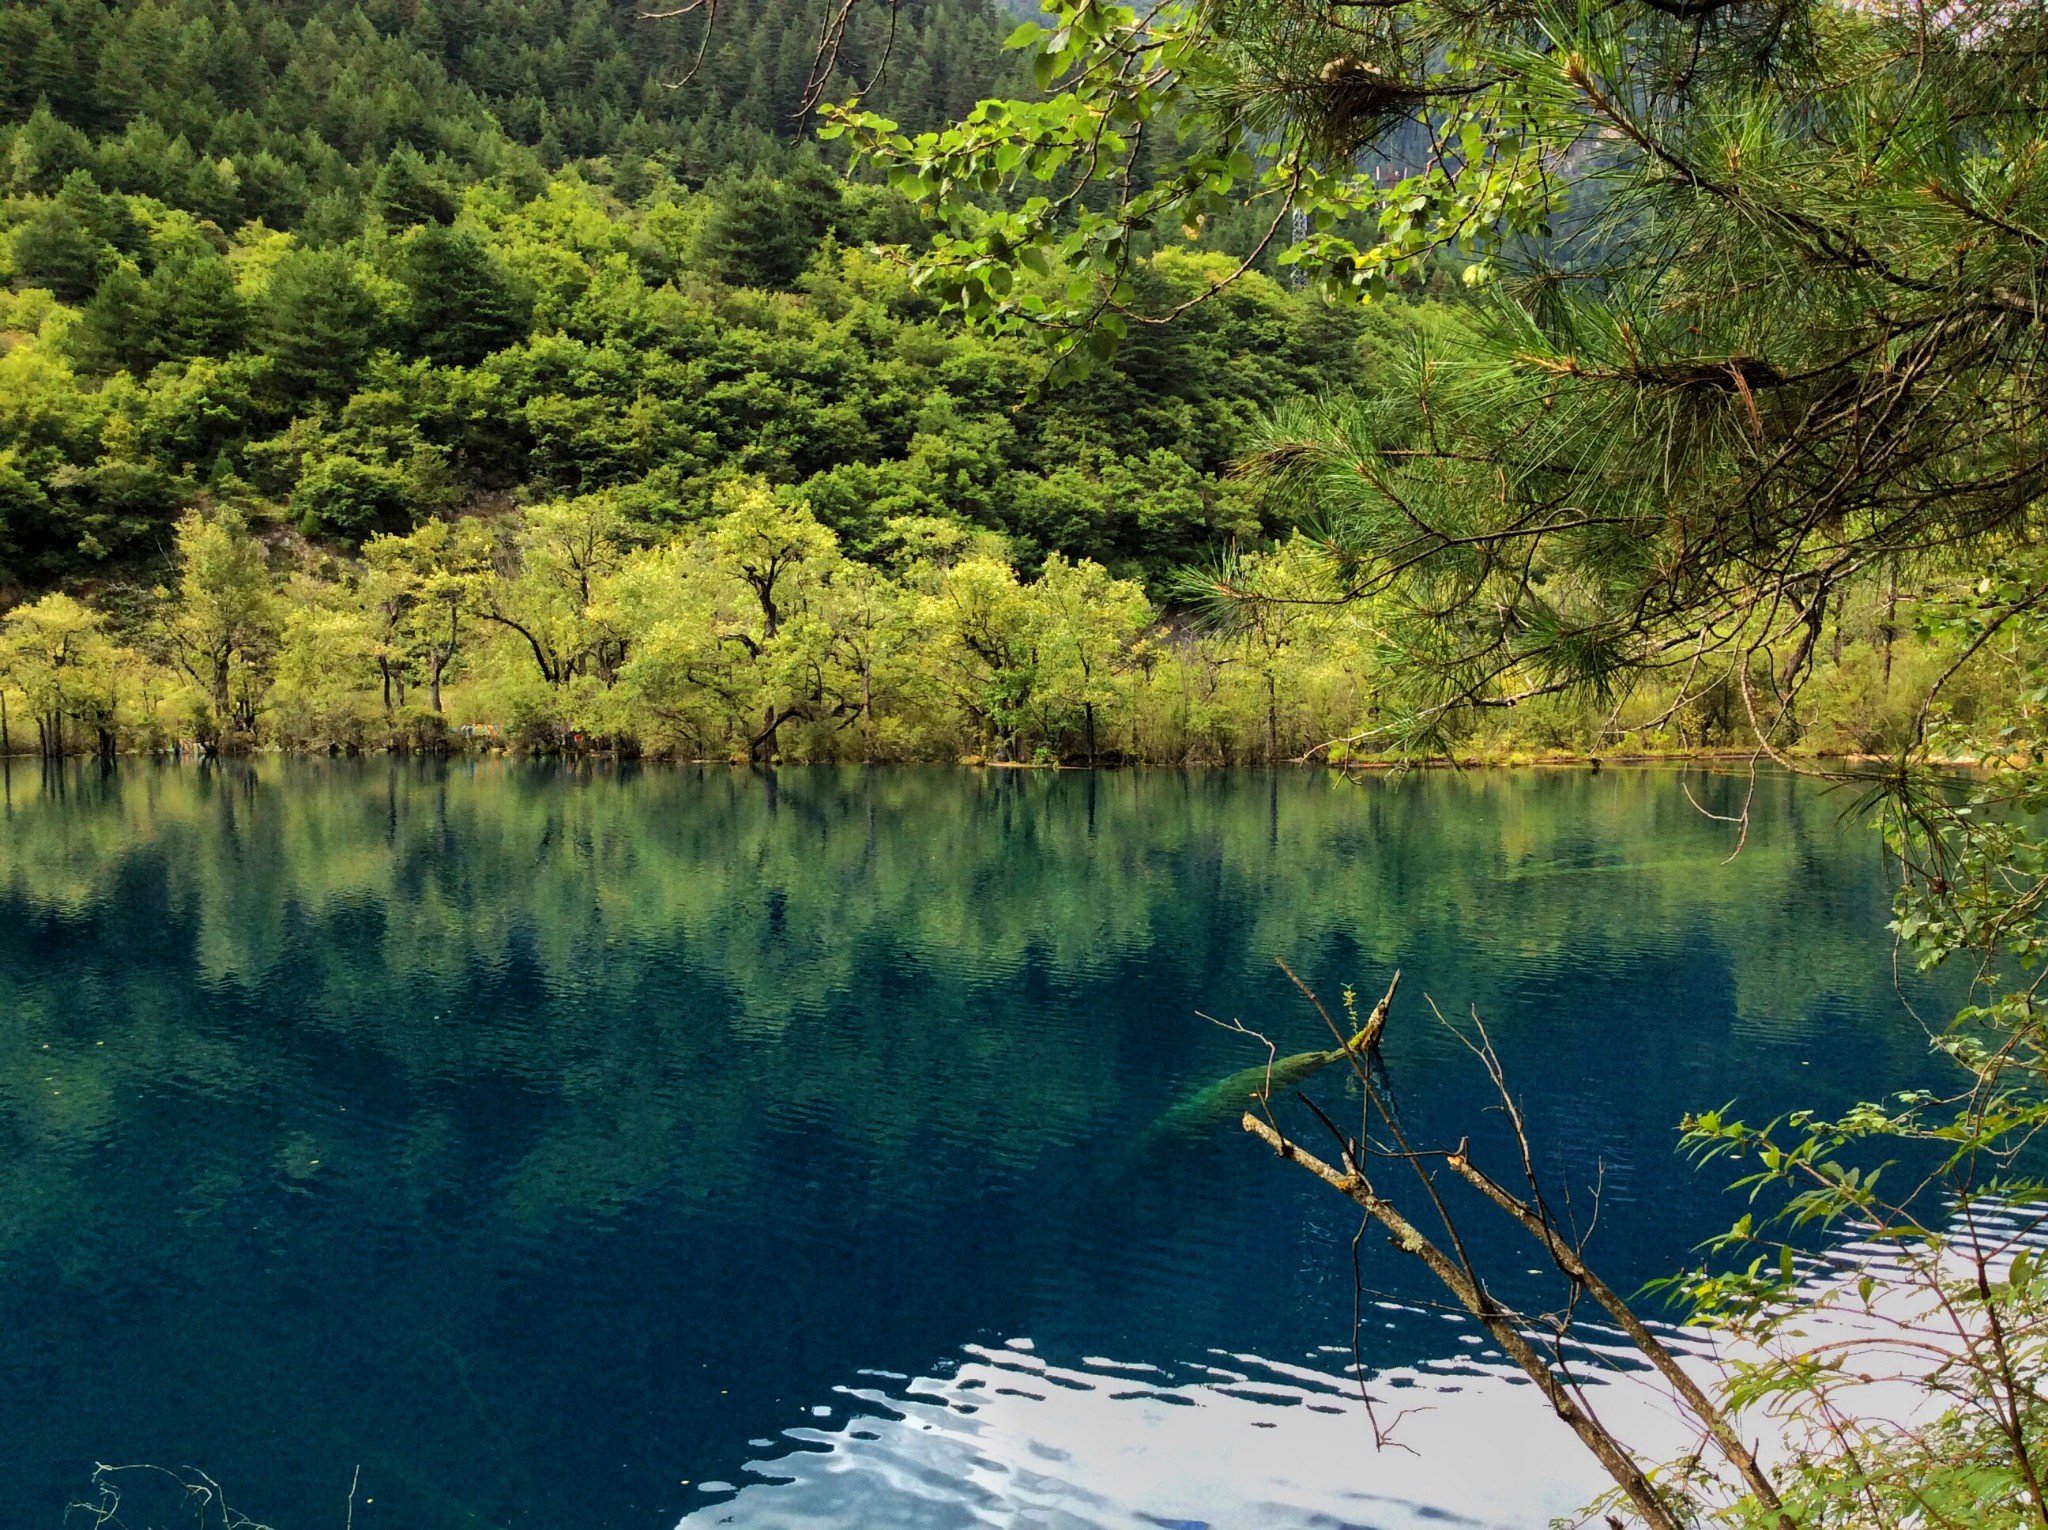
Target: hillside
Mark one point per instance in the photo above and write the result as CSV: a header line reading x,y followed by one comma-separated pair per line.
x,y
354,266
305,98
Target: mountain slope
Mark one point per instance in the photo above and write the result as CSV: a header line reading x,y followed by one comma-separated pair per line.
x,y
285,110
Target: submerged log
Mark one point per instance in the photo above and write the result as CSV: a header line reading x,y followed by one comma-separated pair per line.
x,y
1225,1099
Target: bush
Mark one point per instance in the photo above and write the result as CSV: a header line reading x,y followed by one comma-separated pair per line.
x,y
347,496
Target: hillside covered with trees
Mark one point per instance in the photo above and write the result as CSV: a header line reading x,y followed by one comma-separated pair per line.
x,y
306,100
382,264
370,372
566,343
338,279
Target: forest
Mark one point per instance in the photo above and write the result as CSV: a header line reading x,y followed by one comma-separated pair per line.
x,y
411,308
409,378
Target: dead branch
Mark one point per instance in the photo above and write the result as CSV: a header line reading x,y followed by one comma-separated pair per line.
x,y
1499,1322
1536,1221
1368,1037
1534,1216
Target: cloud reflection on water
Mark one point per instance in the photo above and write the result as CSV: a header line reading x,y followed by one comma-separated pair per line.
x,y
1012,1440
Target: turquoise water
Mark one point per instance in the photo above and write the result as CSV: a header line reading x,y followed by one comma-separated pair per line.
x,y
495,1144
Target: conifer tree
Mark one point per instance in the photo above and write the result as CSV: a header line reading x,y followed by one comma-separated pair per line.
x,y
463,304
55,249
408,193
197,309
318,323
760,233
117,329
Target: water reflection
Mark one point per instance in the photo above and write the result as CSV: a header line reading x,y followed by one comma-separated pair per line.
x,y
536,1136
1008,1439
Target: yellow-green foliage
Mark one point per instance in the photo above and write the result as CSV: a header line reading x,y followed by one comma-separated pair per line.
x,y
752,634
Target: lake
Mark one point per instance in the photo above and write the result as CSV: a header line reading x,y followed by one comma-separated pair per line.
x,y
525,1144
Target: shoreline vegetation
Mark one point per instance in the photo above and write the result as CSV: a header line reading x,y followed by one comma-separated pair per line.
x,y
752,636
484,747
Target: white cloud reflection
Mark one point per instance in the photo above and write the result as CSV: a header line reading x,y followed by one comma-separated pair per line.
x,y
1012,1441
1243,1443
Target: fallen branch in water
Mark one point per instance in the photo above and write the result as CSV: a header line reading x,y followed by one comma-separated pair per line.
x,y
1453,1268
1502,1323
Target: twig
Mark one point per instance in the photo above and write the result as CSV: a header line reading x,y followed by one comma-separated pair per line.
x,y
1496,1319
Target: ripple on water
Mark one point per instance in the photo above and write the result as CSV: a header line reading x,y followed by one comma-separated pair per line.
x,y
1011,1439
515,1129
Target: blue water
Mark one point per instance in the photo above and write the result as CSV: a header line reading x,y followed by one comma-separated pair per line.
x,y
495,1144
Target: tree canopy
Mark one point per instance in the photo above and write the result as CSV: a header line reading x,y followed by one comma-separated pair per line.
x,y
1758,285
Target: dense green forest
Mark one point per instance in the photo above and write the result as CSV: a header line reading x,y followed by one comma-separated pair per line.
x,y
379,267
326,275
380,375
288,110
568,344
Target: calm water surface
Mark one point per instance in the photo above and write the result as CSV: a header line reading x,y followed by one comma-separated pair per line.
x,y
579,1147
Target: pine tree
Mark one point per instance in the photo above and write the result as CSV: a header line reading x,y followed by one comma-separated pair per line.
x,y
117,330
408,193
198,311
55,249
761,233
463,305
318,324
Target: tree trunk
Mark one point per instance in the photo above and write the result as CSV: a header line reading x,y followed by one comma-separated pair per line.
x,y
762,748
223,659
1816,613
867,712
1890,625
443,657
